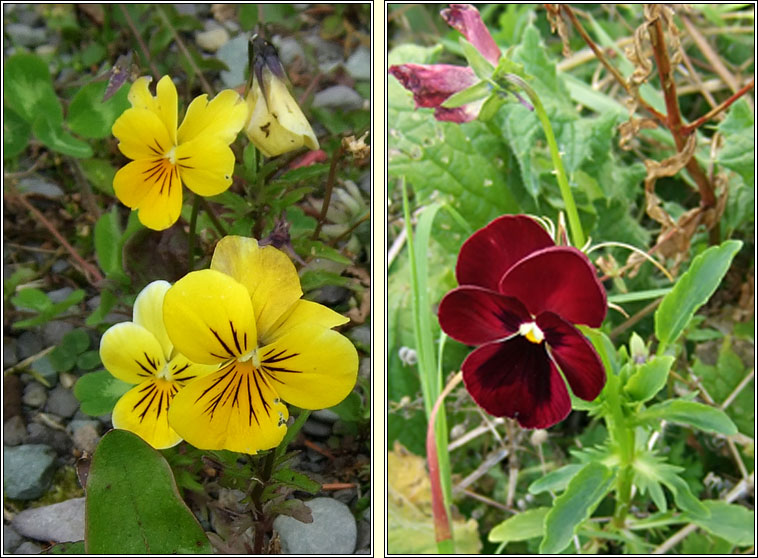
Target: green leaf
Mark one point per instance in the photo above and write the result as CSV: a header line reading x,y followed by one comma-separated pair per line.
x,y
555,481
64,356
16,132
576,504
99,391
349,409
737,153
649,378
728,521
66,548
51,133
108,243
107,301
32,299
133,505
51,310
89,116
89,360
692,290
522,526
690,413
28,88
482,67
100,174
478,91
297,480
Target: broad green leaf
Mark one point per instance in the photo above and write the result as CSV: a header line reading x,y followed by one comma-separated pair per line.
x,y
476,92
575,505
297,480
649,378
133,505
482,67
32,299
729,521
98,392
107,301
28,88
555,481
690,413
692,290
108,242
99,173
16,132
520,527
52,310
90,117
89,360
64,356
683,497
51,133
582,495
737,153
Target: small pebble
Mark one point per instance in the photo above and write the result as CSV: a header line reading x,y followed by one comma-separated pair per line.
x,y
364,535
10,358
331,295
212,39
234,55
364,371
333,530
86,434
35,395
318,429
361,334
61,522
28,547
289,49
11,539
25,35
40,186
345,495
27,471
59,295
62,402
338,97
328,54
325,415
14,431
28,344
41,434
59,266
43,367
53,332
359,64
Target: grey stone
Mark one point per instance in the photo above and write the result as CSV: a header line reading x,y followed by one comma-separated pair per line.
x,y
325,415
361,334
333,530
365,183
14,431
43,367
41,434
85,434
24,35
364,370
40,186
61,522
35,395
28,344
359,64
345,495
59,266
331,295
53,332
62,402
234,55
11,539
315,428
338,97
364,535
28,547
59,295
10,357
28,470
289,49
189,9
328,54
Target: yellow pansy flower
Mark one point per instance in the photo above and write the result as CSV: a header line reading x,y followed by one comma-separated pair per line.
x,y
163,157
246,314
276,124
140,352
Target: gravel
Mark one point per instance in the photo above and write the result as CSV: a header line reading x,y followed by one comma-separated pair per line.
x,y
61,402
61,522
27,471
333,530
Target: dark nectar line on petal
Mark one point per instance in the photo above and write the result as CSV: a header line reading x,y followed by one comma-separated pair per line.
x,y
218,381
251,409
234,336
224,345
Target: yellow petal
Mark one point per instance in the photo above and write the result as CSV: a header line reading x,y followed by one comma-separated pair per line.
x,y
140,96
181,370
305,311
162,204
130,185
310,366
167,105
267,274
277,125
205,165
234,409
222,118
131,353
144,411
209,317
142,134
148,312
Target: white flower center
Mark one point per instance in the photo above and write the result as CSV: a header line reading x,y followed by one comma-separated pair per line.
x,y
251,355
164,373
171,155
532,332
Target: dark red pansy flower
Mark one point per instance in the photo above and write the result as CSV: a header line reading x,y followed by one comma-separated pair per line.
x,y
518,299
433,84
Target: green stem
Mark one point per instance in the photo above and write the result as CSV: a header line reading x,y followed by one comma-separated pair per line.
x,y
192,232
212,216
622,437
577,234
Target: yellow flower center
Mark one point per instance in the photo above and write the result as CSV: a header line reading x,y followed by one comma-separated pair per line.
x,y
532,332
171,155
253,354
164,373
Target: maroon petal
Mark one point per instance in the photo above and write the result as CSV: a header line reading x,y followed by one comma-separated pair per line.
x,y
431,85
465,19
490,252
476,316
517,379
559,279
575,356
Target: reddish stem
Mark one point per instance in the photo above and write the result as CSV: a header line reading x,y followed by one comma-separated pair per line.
x,y
689,128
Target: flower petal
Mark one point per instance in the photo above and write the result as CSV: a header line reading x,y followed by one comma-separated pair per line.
x,y
475,316
140,96
310,366
162,204
209,317
268,275
222,118
148,312
517,379
131,353
465,19
575,355
432,84
181,370
305,311
559,279
205,165
234,409
142,134
144,411
491,251
167,105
